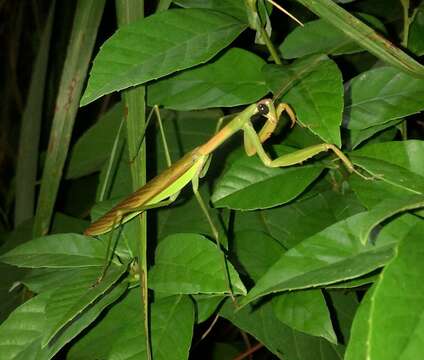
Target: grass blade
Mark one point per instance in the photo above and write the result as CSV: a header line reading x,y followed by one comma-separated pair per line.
x,y
26,166
84,30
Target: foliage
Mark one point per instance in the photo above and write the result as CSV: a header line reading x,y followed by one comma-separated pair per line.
x,y
315,261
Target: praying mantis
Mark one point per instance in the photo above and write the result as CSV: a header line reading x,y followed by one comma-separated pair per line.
x,y
165,188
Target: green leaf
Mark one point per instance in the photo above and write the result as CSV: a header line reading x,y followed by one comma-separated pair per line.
x,y
345,305
320,37
45,279
256,252
408,154
305,311
171,332
416,32
27,324
357,346
294,222
399,164
206,305
57,251
335,254
249,185
358,136
120,333
392,174
191,264
379,95
159,45
315,94
100,136
213,85
394,307
75,296
358,282
364,35
283,341
234,8
186,216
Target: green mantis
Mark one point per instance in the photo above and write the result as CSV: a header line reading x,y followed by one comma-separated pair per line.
x,y
164,188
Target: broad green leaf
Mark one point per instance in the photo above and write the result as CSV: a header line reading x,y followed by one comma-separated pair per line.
x,y
255,251
191,264
305,311
171,332
10,275
345,305
283,341
364,35
206,305
159,45
235,78
357,346
281,79
400,163
28,322
249,221
58,251
185,216
26,325
320,37
317,97
249,185
63,223
408,154
392,174
380,95
234,8
356,137
416,32
45,279
100,137
171,320
371,193
394,307
358,282
296,221
75,296
338,253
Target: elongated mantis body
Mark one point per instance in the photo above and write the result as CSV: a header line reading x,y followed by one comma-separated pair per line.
x,y
164,188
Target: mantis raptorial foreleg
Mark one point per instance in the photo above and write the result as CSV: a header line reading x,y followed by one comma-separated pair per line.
x,y
269,127
296,157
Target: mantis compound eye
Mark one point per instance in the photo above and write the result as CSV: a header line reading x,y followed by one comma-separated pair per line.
x,y
263,109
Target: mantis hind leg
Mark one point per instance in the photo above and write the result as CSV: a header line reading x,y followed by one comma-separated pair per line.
x,y
205,210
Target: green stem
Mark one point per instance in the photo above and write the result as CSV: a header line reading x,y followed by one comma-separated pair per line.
x,y
406,22
128,11
270,46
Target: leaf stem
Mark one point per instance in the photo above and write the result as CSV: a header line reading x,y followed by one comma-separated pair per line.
x,y
270,46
